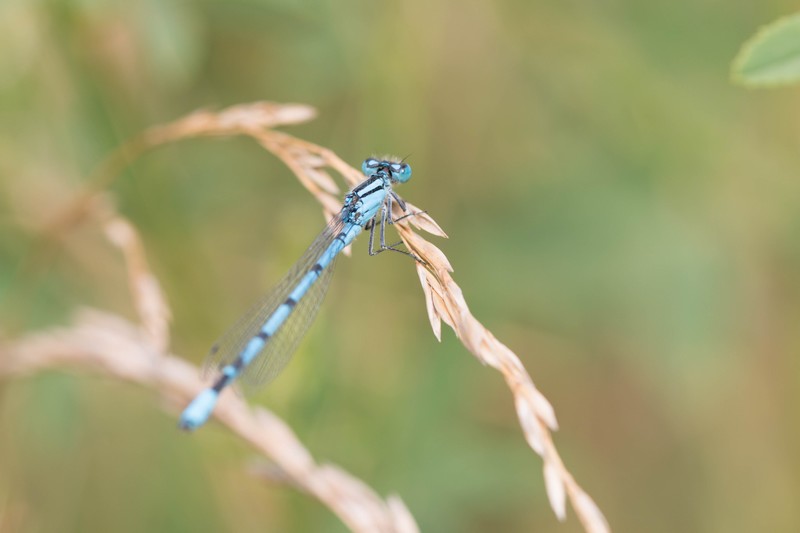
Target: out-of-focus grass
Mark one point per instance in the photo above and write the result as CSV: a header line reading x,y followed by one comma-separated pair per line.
x,y
619,215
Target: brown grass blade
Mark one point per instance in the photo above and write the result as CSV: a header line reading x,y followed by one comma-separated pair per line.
x,y
148,298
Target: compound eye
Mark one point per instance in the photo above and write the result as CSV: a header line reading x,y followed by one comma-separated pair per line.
x,y
402,173
369,165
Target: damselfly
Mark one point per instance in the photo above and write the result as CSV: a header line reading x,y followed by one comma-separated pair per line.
x,y
258,347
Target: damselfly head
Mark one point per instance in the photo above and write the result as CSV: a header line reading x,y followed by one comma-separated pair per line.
x,y
399,172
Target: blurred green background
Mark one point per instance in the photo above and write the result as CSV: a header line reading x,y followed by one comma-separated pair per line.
x,y
619,214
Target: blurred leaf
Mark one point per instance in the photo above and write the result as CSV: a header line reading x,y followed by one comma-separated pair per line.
x,y
772,56
172,34
19,42
53,414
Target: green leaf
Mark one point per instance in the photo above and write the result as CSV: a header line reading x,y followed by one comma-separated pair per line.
x,y
772,56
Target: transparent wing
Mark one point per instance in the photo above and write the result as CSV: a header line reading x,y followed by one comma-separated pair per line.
x,y
280,347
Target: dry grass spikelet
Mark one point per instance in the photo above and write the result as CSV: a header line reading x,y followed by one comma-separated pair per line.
x,y
313,165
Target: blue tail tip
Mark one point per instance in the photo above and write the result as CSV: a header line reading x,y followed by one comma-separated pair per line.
x,y
197,413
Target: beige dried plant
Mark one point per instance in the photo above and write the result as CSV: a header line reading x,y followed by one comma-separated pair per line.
x,y
128,351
